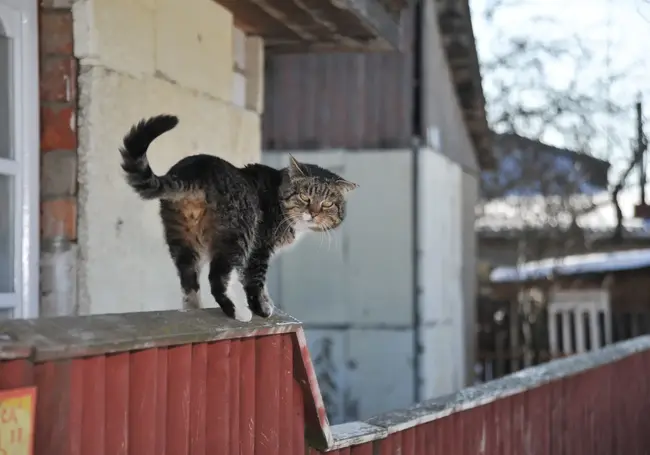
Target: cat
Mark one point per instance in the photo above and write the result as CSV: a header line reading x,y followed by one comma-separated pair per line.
x,y
234,218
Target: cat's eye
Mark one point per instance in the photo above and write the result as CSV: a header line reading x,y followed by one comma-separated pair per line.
x,y
327,204
303,197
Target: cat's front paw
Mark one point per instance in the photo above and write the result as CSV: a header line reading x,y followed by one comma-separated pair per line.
x,y
261,304
191,301
243,314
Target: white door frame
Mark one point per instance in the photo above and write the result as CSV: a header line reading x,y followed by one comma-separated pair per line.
x,y
20,21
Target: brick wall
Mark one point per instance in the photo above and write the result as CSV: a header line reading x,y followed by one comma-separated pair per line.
x,y
90,220
58,99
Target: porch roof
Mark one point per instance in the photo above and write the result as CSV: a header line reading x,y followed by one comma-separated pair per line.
x,y
454,19
578,264
320,25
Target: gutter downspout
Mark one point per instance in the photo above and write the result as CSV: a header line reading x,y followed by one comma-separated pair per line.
x,y
418,130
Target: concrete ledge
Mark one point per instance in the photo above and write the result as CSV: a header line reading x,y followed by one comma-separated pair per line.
x,y
78,336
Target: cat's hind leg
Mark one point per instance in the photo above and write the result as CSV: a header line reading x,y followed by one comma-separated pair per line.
x,y
187,262
228,255
254,281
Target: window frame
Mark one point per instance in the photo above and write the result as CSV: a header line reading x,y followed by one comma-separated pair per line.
x,y
20,23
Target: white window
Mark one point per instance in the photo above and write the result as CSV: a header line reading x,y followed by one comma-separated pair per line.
x,y
19,152
579,321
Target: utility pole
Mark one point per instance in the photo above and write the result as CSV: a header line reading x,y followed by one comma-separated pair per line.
x,y
641,148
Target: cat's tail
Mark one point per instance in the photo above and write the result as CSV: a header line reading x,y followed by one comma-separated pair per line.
x,y
136,165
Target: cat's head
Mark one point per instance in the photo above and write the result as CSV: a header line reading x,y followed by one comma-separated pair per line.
x,y
313,197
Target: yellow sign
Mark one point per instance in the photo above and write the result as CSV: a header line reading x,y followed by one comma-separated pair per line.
x,y
17,421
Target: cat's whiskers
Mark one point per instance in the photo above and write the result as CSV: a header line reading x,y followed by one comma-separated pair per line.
x,y
337,239
329,238
287,222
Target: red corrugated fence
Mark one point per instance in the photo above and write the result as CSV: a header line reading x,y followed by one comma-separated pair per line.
x,y
194,383
234,397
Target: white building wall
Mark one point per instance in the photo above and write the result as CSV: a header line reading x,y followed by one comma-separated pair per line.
x,y
140,58
441,272
355,292
470,192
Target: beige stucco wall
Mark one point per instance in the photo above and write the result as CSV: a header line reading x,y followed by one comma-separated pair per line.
x,y
140,58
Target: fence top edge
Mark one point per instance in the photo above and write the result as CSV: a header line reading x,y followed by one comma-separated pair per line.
x,y
68,337
473,397
355,433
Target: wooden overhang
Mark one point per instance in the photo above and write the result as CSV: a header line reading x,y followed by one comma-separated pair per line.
x,y
291,26
454,20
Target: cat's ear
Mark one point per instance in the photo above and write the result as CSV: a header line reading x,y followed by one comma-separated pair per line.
x,y
294,168
346,185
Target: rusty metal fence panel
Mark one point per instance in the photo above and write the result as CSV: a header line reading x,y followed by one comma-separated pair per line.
x,y
203,398
174,383
589,404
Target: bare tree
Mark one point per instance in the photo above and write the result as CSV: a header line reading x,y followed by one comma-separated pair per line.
x,y
522,98
545,197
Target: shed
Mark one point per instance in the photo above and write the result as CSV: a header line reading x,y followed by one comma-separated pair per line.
x,y
591,299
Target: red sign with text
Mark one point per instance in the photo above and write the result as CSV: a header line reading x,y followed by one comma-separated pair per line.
x,y
17,408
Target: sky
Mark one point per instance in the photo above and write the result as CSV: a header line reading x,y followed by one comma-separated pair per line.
x,y
624,24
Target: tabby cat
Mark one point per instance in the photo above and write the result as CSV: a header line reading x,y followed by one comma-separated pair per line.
x,y
234,218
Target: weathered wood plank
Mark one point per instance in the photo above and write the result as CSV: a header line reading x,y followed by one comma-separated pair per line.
x,y
383,446
318,429
143,407
93,424
286,427
408,442
421,440
179,378
268,363
198,402
80,336
503,424
235,395
353,433
16,373
473,430
117,404
162,411
247,379
537,425
362,449
498,390
518,421
298,418
557,417
219,397
75,407
491,436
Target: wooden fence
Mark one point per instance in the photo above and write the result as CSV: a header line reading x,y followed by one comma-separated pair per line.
x,y
194,383
172,383
560,330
